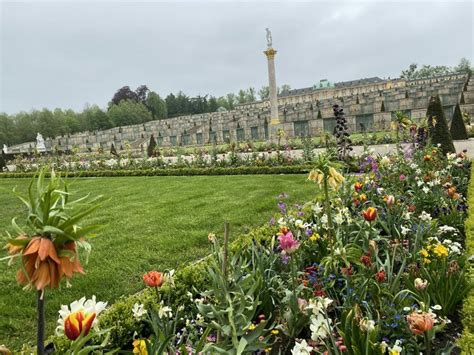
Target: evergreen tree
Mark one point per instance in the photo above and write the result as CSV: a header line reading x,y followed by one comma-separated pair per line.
x,y
151,147
319,114
382,107
458,128
462,101
438,127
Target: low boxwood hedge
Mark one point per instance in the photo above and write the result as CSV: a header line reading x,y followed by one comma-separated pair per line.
x,y
244,170
467,338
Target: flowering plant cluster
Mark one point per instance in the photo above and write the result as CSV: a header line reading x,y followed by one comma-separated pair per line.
x,y
374,264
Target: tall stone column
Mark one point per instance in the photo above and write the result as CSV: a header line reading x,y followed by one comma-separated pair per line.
x,y
275,123
270,53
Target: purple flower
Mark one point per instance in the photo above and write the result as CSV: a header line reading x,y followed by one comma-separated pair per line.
x,y
282,207
309,232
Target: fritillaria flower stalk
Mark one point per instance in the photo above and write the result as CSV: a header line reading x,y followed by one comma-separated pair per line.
x,y
326,175
47,252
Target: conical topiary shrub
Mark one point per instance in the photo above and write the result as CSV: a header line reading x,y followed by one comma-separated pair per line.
x,y
382,107
113,151
151,147
438,127
458,128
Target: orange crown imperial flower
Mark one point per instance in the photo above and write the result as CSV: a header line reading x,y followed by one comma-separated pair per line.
x,y
77,323
42,265
153,279
370,214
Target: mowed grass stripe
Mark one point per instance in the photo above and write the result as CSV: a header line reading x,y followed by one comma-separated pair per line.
x,y
149,223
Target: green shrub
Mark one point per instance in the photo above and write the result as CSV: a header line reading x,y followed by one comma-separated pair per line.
x,y
467,338
438,127
458,128
244,170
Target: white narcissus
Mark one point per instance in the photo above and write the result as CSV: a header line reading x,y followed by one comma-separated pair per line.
x,y
302,348
138,311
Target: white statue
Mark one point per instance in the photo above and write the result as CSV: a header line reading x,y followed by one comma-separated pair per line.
x,y
269,38
40,147
5,149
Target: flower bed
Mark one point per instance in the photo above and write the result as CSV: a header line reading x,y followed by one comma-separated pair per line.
x,y
376,265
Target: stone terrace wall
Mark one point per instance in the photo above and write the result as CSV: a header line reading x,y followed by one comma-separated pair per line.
x,y
299,114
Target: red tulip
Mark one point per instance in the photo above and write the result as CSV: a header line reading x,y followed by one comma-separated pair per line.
x,y
370,214
77,323
358,186
153,279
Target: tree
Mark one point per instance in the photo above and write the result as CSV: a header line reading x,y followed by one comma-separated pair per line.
x,y
458,128
171,105
213,105
124,93
250,95
129,112
156,105
285,89
264,93
151,147
182,104
410,72
231,101
222,102
141,93
438,127
426,71
93,119
462,101
242,97
464,67
382,107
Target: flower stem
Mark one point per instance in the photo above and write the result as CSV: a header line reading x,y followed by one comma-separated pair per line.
x,y
41,322
328,212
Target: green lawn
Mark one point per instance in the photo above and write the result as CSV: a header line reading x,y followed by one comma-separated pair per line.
x,y
150,223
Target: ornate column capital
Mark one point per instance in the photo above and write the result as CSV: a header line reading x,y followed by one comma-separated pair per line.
x,y
270,53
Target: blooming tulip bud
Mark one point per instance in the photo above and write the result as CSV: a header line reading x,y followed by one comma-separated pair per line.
x,y
390,200
420,284
77,323
370,214
153,279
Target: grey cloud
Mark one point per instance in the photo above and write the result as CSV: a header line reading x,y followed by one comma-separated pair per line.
x,y
68,54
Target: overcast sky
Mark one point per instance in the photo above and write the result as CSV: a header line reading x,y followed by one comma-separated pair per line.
x,y
66,54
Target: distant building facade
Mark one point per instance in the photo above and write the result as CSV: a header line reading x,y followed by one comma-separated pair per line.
x,y
369,105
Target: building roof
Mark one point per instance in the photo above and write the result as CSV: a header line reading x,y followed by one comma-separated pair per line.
x,y
364,81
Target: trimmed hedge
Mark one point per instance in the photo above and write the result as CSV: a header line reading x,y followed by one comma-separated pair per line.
x,y
244,170
467,338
